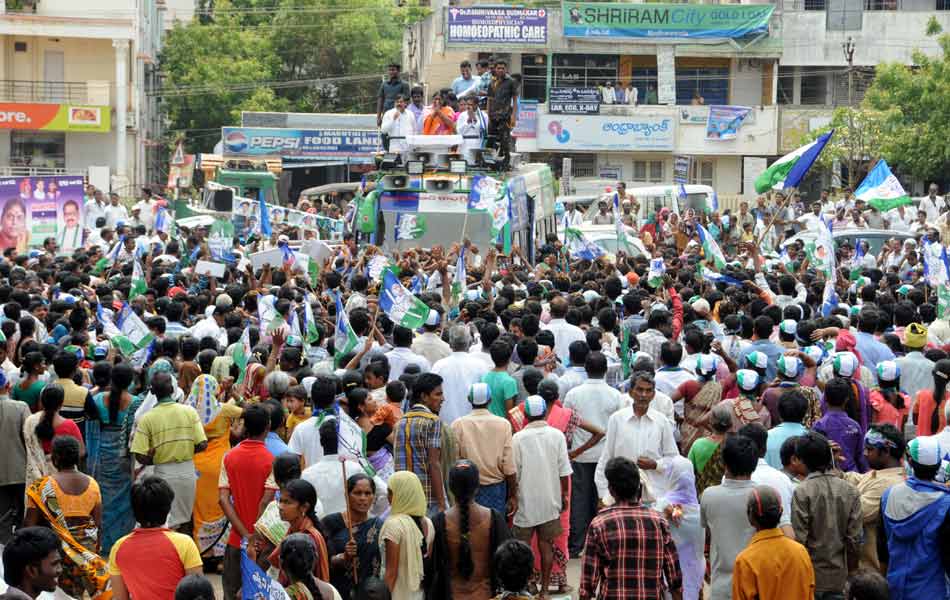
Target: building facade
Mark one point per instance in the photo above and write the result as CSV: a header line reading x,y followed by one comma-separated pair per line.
x,y
780,66
75,89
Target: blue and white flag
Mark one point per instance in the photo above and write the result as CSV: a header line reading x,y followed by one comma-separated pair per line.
x,y
710,248
256,584
882,190
582,248
287,255
344,338
163,222
116,249
656,272
485,191
265,215
829,299
400,305
712,202
714,277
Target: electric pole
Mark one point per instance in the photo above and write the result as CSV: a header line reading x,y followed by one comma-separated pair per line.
x,y
848,48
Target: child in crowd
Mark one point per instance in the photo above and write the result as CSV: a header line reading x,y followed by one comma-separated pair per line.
x,y
295,402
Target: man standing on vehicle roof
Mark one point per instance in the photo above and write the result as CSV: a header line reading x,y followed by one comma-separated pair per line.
x,y
502,108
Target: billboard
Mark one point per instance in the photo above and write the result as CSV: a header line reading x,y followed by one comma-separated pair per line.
x,y
601,132
497,25
54,117
273,141
614,20
35,208
574,101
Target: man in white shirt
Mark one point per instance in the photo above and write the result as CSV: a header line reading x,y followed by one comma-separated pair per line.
x,y
542,468
766,474
115,212
572,218
70,237
898,219
430,345
146,208
401,356
593,401
93,209
326,475
640,434
458,371
932,203
397,124
212,327
564,332
671,375
305,440
575,373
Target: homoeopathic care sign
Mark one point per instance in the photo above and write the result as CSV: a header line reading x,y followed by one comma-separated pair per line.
x,y
623,20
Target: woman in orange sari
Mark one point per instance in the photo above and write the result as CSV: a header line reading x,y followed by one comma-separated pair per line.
x,y
438,119
566,421
210,524
69,503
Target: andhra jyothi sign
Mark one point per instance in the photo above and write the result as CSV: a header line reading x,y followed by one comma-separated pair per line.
x,y
499,24
54,117
620,20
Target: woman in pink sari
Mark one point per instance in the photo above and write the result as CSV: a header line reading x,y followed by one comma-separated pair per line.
x,y
566,421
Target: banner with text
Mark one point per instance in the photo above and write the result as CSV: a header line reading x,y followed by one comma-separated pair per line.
x,y
574,101
724,121
601,132
623,20
274,141
35,208
54,117
497,24
527,124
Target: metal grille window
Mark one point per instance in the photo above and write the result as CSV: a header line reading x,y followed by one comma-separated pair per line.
x,y
584,70
648,171
703,172
814,4
711,83
844,15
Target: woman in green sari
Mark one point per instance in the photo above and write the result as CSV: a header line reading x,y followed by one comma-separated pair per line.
x,y
706,452
29,388
353,537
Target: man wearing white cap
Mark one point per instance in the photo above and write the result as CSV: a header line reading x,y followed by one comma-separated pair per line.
x,y
915,543
485,439
543,470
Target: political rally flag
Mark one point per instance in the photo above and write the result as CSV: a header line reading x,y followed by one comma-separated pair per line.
x,y
400,305
711,249
344,338
881,189
242,353
410,226
789,170
458,281
138,280
582,248
656,272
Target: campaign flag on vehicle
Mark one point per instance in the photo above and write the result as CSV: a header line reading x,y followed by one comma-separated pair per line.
x,y
255,583
344,338
856,261
881,189
789,170
582,248
485,191
138,280
458,282
656,272
623,242
400,305
410,226
134,334
829,299
242,353
710,248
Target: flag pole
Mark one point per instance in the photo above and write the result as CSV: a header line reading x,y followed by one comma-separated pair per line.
x,y
349,517
788,199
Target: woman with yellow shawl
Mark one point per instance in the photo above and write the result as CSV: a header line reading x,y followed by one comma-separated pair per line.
x,y
210,524
70,503
406,537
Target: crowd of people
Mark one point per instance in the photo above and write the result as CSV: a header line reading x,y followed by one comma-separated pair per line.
x,y
684,436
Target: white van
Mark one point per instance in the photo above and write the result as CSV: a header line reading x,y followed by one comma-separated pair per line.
x,y
653,198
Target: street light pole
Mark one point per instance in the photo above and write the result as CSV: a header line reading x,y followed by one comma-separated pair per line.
x,y
848,48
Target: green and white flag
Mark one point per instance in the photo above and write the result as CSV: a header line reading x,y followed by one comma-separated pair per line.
x,y
270,320
311,334
243,353
881,189
400,305
134,334
788,171
410,226
138,280
821,251
344,338
656,273
943,301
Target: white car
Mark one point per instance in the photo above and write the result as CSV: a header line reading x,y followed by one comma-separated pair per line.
x,y
605,236
874,237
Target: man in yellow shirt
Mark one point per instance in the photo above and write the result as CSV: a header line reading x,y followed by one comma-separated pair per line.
x,y
168,436
772,566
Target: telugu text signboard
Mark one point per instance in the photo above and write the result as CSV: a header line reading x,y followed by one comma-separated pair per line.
x,y
498,25
274,141
622,20
601,132
574,101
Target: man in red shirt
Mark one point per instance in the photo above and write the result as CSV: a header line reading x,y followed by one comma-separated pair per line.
x,y
148,563
245,488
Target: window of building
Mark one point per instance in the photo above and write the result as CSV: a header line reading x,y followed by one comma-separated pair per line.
x,y
814,4
844,15
814,87
584,165
702,172
584,70
943,4
643,78
711,83
534,73
45,150
881,5
648,171
786,85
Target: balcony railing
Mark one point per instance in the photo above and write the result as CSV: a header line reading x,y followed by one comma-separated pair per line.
x,y
44,91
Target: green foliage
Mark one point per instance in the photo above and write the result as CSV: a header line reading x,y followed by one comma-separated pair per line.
x,y
864,144
291,55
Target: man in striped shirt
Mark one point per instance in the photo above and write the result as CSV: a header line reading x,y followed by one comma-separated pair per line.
x,y
418,441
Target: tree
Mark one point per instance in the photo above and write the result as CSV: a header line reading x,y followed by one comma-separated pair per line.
x,y
865,140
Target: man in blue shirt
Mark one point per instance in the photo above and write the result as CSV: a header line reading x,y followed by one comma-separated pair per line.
x,y
465,85
871,350
762,327
272,442
792,407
